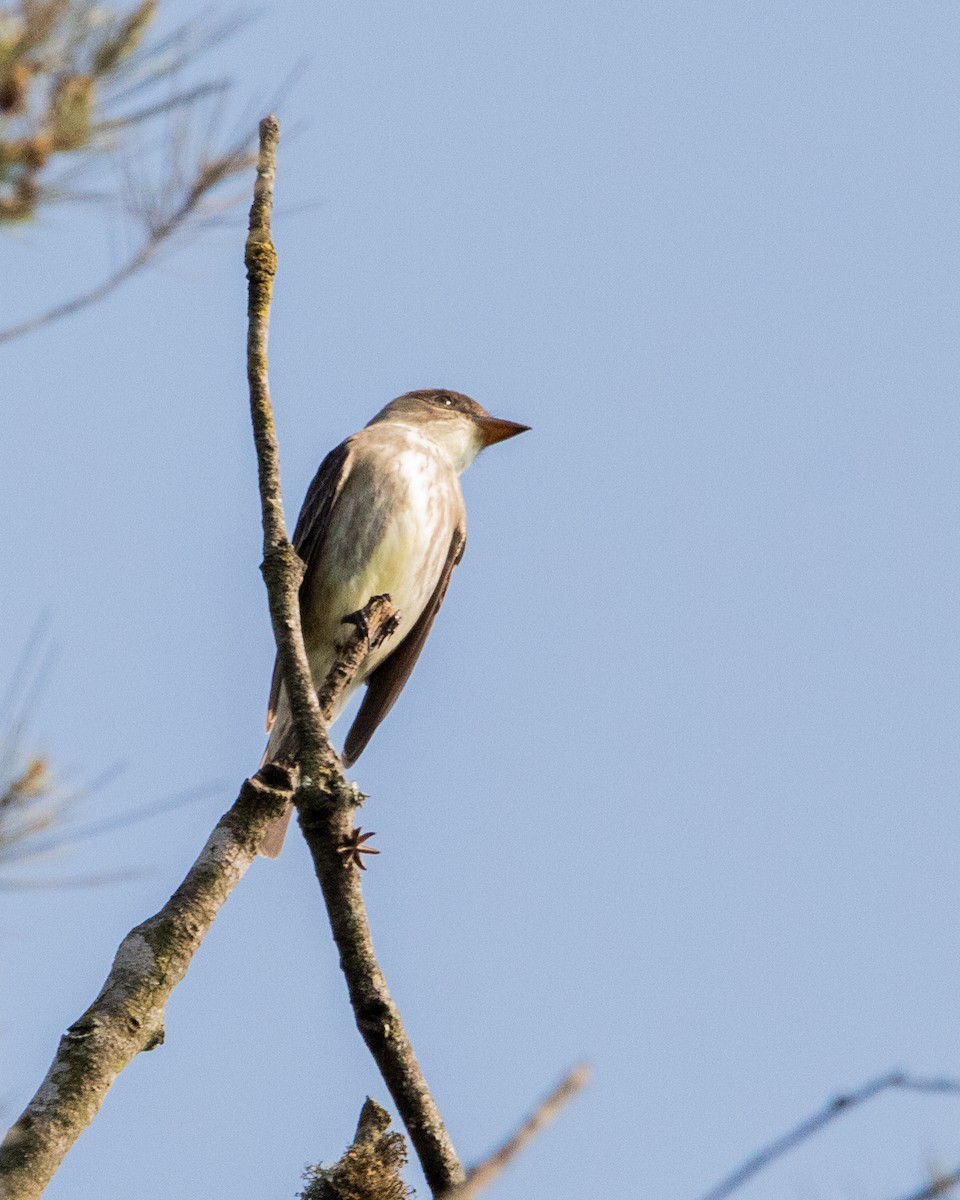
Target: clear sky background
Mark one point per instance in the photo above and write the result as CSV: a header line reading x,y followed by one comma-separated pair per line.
x,y
674,787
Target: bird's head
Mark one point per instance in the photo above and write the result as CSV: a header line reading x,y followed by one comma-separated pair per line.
x,y
460,425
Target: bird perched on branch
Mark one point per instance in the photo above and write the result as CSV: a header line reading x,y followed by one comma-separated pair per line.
x,y
384,514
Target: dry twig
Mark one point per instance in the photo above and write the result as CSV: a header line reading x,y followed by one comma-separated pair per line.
x,y
33,801
837,1107
160,234
325,801
35,804
126,1018
939,1185
484,1173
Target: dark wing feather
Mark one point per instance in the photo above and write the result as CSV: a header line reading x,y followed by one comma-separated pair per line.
x,y
386,682
311,532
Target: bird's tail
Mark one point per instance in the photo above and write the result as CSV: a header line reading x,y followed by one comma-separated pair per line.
x,y
272,842
282,725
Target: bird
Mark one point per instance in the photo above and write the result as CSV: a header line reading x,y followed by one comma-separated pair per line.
x,y
384,514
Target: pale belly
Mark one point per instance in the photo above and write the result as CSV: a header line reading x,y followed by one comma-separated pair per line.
x,y
389,534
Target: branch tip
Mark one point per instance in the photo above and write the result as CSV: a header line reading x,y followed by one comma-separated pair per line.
x,y
484,1173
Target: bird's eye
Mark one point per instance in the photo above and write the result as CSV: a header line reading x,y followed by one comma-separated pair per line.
x,y
447,401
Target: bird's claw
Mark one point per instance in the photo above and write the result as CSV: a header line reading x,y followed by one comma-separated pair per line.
x,y
361,622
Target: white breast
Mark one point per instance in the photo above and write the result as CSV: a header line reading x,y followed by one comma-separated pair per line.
x,y
392,523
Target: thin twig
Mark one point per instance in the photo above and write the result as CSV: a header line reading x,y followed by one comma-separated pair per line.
x,y
940,1185
121,820
282,568
837,1107
160,234
67,881
127,1016
67,308
325,801
162,107
484,1173
377,622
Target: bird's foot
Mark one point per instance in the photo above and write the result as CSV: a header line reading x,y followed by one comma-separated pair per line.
x,y
382,628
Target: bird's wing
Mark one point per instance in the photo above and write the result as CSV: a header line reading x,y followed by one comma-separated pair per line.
x,y
386,682
310,534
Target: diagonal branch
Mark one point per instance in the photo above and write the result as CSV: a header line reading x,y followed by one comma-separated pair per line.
x,y
159,235
326,813
127,1016
939,1185
143,257
837,1107
325,801
484,1173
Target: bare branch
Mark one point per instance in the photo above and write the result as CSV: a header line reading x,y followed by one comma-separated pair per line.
x,y
326,813
377,621
127,1016
939,1185
484,1173
141,259
837,1107
282,568
325,801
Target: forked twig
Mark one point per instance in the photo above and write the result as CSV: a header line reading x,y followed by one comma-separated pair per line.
x,y
127,1016
325,801
838,1106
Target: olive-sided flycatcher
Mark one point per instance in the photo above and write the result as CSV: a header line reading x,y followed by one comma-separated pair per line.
x,y
384,514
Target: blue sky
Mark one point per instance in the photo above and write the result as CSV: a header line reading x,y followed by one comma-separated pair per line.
x,y
674,786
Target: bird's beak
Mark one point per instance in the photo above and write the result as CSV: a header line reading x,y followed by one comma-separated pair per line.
x,y
493,430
